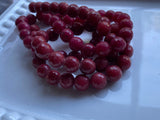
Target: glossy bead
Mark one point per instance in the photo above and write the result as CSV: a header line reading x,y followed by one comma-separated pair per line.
x,y
76,43
66,80
77,28
126,23
88,50
58,26
38,7
45,6
93,18
104,19
53,36
53,7
76,54
72,10
126,33
63,52
87,66
102,48
99,80
23,25
124,62
62,8
53,77
89,27
53,19
31,19
68,20
128,51
81,82
109,37
24,33
27,41
103,28
118,44
117,15
36,41
32,7
83,12
36,62
39,15
101,63
97,37
122,16
113,73
34,27
46,18
115,28
21,19
40,33
110,14
56,59
66,35
71,64
43,70
102,12
43,50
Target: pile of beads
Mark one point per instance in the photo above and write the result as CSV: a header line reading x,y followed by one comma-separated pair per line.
x,y
104,58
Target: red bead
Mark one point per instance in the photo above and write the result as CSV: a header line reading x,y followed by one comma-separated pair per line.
x,y
66,80
117,16
38,7
103,28
101,63
126,23
76,43
81,82
112,56
123,16
104,19
72,10
23,25
40,33
126,33
102,49
109,37
39,15
53,77
34,27
115,28
76,54
93,18
128,51
66,35
62,8
124,62
110,14
45,6
83,12
53,36
113,73
97,37
46,18
118,44
58,26
32,6
88,50
21,19
56,59
77,28
71,64
37,40
36,62
31,19
27,42
24,33
43,70
43,50
53,7
53,19
87,66
63,52
102,12
99,80
68,20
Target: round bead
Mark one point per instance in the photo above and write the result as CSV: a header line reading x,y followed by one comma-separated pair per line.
x,y
110,14
31,19
21,19
66,35
32,6
124,62
53,19
53,77
126,23
71,64
87,66
66,80
81,82
46,18
24,33
99,80
58,26
36,41
53,36
77,28
63,52
72,10
109,37
34,27
103,28
76,43
36,62
83,12
102,12
126,33
93,18
88,50
56,59
115,28
128,51
68,20
40,33
45,6
23,25
118,44
101,63
62,8
104,19
113,73
38,7
53,7
43,50
76,54
102,48
43,70
27,41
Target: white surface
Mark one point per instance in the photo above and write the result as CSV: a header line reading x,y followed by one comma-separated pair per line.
x,y
135,97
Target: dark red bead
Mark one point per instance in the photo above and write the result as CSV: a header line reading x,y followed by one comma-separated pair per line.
x,y
76,54
102,12
115,28
53,36
54,7
117,15
72,10
126,33
53,77
93,18
123,16
83,12
104,19
58,26
128,51
66,80
36,62
76,43
97,37
103,28
43,70
71,64
126,23
77,28
66,35
109,37
46,18
113,73
88,50
110,14
101,63
21,19
24,33
62,8
40,33
124,62
68,20
102,48
39,15
81,82
34,27
32,6
53,19
87,66
63,52
31,19
45,6
99,80
23,25
27,42
36,41
56,59
38,7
